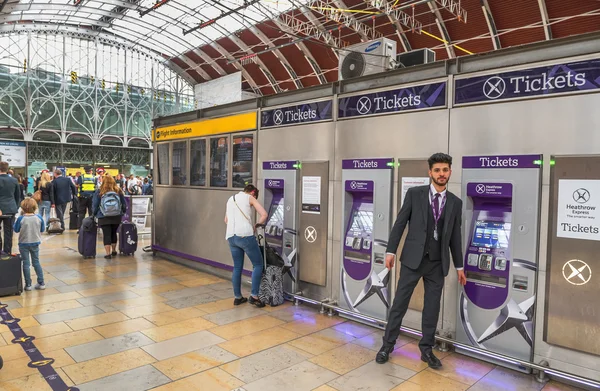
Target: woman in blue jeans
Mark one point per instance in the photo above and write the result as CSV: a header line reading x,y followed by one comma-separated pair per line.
x,y
240,235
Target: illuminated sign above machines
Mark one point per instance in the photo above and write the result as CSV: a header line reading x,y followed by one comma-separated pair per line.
x,y
419,97
298,114
549,80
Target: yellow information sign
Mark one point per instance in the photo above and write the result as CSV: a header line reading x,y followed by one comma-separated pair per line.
x,y
73,171
233,123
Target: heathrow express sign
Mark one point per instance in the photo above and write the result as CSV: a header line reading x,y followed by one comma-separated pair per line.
x,y
405,99
550,80
298,114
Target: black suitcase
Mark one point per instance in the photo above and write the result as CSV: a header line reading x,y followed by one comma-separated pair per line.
x,y
88,234
11,272
73,220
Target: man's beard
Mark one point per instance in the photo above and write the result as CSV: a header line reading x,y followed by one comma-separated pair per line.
x,y
440,183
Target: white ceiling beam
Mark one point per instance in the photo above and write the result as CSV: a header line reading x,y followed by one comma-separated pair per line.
x,y
545,19
489,18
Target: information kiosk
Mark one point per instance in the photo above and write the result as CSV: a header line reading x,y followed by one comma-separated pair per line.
x,y
501,224
280,201
366,224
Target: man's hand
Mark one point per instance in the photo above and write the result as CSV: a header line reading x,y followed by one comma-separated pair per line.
x,y
462,280
389,261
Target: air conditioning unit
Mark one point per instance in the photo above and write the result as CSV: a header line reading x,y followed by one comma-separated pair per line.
x,y
367,58
415,57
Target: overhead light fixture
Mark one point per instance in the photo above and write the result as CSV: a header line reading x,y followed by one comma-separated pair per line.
x,y
158,4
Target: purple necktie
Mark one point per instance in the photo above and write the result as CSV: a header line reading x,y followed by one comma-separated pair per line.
x,y
436,207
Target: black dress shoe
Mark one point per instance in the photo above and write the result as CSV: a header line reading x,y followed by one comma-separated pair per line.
x,y
383,355
239,301
431,360
256,302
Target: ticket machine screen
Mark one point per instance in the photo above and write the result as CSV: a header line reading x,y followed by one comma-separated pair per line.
x,y
274,227
360,232
491,234
362,221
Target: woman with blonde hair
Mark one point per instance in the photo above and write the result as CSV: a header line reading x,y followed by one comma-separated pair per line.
x,y
47,199
108,205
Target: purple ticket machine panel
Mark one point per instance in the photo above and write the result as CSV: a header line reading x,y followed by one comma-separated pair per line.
x,y
280,199
487,258
275,208
501,217
367,208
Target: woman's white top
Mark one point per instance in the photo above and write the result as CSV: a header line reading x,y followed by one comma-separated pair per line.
x,y
237,223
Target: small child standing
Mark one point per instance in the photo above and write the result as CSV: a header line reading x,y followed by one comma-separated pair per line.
x,y
30,228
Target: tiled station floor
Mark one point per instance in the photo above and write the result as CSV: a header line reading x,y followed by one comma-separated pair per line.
x,y
139,323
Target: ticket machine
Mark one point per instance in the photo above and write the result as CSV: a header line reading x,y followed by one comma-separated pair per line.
x,y
366,225
280,202
501,217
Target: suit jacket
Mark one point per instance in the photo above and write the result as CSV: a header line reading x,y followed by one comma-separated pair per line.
x,y
10,195
64,190
415,210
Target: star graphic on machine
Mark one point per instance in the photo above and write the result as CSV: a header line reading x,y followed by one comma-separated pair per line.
x,y
289,264
376,284
512,315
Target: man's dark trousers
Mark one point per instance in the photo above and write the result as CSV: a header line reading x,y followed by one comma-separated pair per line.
x,y
7,221
85,204
60,213
433,282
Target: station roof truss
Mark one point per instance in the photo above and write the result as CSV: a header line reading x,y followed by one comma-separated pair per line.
x,y
283,45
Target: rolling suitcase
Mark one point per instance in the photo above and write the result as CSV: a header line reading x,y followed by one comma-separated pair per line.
x,y
86,242
271,284
54,226
128,238
73,220
11,280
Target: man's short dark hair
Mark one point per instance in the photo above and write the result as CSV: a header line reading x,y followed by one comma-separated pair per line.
x,y
251,189
4,167
439,158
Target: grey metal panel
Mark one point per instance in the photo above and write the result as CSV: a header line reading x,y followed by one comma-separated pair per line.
x,y
300,142
193,221
313,229
408,136
572,319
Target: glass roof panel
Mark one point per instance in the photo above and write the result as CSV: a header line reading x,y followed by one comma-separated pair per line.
x,y
162,27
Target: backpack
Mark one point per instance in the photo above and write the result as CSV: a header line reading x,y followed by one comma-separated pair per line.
x,y
110,204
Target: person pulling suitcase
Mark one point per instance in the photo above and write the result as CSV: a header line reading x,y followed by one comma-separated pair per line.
x,y
240,235
109,206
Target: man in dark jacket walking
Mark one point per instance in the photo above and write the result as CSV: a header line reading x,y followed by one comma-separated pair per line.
x,y
10,195
64,192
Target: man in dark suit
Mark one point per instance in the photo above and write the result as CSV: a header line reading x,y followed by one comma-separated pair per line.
x,y
435,217
64,192
10,197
